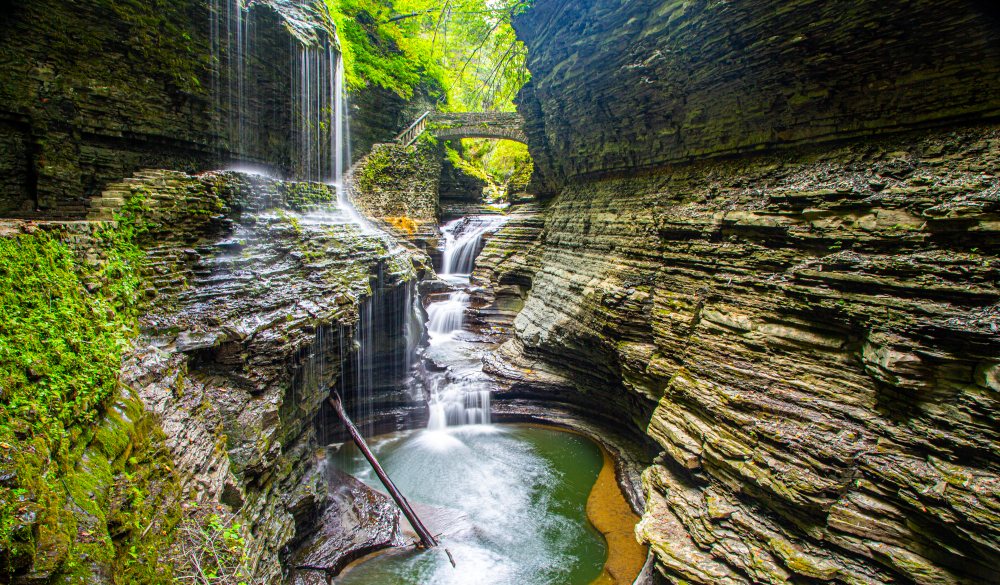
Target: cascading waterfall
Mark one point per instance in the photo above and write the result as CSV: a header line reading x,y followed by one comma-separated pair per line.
x,y
463,241
379,349
447,317
460,395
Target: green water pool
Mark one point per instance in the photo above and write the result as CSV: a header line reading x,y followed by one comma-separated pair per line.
x,y
509,503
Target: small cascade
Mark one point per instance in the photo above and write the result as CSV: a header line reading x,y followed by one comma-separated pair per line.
x,y
447,317
459,390
376,356
463,242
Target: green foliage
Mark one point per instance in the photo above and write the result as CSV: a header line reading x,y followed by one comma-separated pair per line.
x,y
468,47
371,49
504,165
64,324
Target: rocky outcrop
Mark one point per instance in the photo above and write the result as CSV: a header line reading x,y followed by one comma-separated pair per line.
x,y
616,88
505,269
189,85
254,304
459,193
807,331
816,334
92,93
397,186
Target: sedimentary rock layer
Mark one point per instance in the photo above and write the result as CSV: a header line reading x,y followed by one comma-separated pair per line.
x,y
617,86
762,256
818,335
94,91
253,313
397,186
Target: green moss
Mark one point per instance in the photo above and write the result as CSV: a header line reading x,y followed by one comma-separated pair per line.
x,y
375,171
72,439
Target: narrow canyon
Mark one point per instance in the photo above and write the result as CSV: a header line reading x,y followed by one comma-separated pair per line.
x,y
616,292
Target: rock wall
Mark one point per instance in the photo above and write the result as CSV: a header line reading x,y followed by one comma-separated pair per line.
x,y
93,91
252,307
619,87
255,310
397,186
505,269
817,334
808,331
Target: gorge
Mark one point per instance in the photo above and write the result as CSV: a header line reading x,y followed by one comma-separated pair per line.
x,y
739,327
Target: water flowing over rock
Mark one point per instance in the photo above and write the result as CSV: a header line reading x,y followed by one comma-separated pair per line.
x,y
259,309
464,242
96,91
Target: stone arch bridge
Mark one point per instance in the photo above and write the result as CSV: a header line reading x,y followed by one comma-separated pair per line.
x,y
457,125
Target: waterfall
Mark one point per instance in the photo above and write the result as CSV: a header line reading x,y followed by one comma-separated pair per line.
x,y
447,317
320,114
232,32
459,395
318,131
463,241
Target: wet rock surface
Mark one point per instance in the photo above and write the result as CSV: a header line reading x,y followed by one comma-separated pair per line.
x,y
616,88
254,305
742,262
505,268
397,186
357,521
808,338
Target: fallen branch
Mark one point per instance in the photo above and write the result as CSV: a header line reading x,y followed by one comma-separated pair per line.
x,y
426,539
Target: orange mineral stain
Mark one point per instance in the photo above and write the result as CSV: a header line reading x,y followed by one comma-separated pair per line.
x,y
612,516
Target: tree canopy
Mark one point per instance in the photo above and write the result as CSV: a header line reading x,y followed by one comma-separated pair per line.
x,y
467,47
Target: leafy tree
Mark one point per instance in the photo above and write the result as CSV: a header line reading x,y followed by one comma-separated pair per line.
x,y
467,46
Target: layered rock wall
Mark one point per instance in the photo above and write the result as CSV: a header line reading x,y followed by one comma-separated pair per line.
x,y
398,186
618,87
93,91
254,295
256,306
808,331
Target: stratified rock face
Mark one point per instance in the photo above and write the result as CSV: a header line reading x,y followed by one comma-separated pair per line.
x,y
617,86
255,307
811,335
818,335
505,268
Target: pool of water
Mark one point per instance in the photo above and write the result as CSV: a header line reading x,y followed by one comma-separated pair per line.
x,y
509,503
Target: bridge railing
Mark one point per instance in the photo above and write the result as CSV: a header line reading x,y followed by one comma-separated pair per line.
x,y
501,125
410,135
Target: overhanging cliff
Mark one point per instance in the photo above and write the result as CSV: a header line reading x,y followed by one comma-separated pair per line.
x,y
797,296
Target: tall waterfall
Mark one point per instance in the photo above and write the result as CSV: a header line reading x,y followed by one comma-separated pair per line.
x,y
316,94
